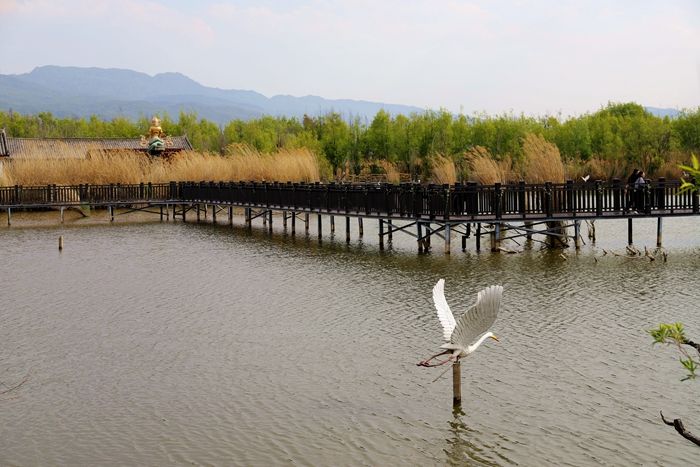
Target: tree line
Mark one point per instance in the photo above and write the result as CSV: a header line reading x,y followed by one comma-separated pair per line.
x,y
621,135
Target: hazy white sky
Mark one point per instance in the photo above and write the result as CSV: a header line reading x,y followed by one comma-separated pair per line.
x,y
531,56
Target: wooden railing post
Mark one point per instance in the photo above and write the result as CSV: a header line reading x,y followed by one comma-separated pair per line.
x,y
497,194
598,198
661,194
570,196
521,198
448,201
617,194
548,199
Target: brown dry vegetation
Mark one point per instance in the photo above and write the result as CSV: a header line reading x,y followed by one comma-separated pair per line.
x,y
483,168
443,170
542,160
298,165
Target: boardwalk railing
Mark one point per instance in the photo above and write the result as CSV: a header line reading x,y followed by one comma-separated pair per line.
x,y
459,201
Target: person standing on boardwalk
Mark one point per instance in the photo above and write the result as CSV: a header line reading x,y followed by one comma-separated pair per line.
x,y
629,190
639,190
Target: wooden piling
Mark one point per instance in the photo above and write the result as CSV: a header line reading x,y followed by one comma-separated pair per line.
x,y
390,228
360,227
464,243
111,213
60,243
294,223
230,216
332,224
319,222
198,211
284,220
419,234
629,231
347,230
457,383
528,227
659,225
161,213
62,215
269,214
213,214
184,212
577,234
447,239
381,234
478,236
306,222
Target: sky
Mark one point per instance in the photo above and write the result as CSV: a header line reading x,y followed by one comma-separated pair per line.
x,y
537,57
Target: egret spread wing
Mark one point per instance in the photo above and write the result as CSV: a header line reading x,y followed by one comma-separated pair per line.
x,y
444,313
479,318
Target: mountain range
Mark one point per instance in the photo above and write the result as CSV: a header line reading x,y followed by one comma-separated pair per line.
x,y
110,92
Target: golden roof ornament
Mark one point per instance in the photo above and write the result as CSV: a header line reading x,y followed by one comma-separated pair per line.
x,y
157,140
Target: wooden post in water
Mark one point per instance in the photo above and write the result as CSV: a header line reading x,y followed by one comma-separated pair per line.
x,y
464,243
659,224
320,225
306,222
347,230
528,234
629,231
60,243
111,213
478,236
161,213
230,216
457,383
577,234
332,224
360,227
447,238
294,223
213,214
419,234
62,215
9,216
284,220
381,234
269,213
184,212
390,227
198,210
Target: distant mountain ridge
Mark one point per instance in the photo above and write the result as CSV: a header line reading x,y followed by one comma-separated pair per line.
x,y
109,92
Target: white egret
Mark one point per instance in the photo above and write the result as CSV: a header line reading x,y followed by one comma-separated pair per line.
x,y
463,336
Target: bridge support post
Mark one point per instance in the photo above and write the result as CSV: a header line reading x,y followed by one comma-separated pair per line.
x,y
320,225
464,243
294,223
9,216
528,234
230,216
496,238
457,384
111,213
213,214
332,224
347,230
184,212
174,212
447,238
206,209
306,222
248,220
198,212
161,213
419,233
577,234
284,219
629,231
269,213
390,227
360,227
478,236
428,235
62,215
381,234
659,225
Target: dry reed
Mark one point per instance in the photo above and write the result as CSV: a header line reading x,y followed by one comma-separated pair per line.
x,y
542,160
298,165
443,170
485,169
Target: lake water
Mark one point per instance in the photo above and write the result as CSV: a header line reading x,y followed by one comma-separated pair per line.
x,y
150,343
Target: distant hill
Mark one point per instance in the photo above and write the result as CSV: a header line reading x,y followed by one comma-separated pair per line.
x,y
663,112
108,93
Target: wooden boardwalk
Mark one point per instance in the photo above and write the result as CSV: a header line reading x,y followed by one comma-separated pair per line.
x,y
449,207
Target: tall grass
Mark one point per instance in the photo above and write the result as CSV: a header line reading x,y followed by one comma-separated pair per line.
x,y
298,165
542,160
483,168
443,170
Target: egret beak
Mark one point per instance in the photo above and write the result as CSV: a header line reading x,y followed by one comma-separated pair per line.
x,y
494,338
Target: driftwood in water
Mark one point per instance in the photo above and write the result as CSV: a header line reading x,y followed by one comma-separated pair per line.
x,y
677,423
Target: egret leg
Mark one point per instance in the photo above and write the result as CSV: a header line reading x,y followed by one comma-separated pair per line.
x,y
427,361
